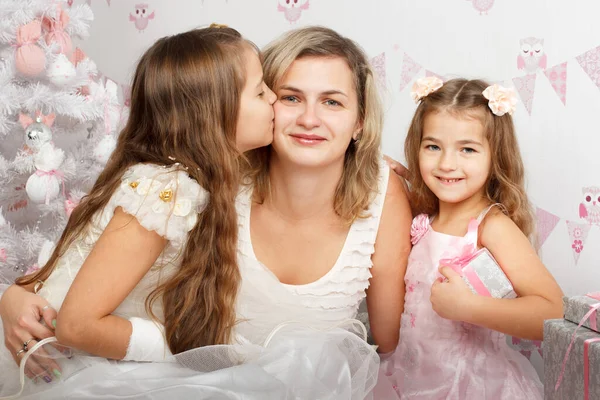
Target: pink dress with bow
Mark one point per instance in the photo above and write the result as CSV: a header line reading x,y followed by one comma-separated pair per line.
x,y
443,359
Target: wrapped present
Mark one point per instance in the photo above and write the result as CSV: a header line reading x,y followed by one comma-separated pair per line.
x,y
585,309
571,361
481,272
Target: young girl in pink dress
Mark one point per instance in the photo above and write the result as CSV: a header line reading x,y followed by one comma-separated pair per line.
x,y
467,171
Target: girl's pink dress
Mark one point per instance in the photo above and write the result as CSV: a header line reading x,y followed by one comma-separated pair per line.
x,y
443,359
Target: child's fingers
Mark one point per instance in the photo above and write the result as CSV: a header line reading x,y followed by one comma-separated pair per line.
x,y
49,317
449,273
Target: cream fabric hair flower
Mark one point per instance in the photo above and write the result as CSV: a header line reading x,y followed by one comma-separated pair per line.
x,y
501,100
424,86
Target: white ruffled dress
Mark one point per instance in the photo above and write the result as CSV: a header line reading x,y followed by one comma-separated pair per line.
x,y
291,342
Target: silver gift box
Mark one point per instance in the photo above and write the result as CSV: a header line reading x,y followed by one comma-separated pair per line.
x,y
491,275
577,306
557,336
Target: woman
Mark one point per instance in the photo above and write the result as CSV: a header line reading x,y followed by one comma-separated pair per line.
x,y
321,220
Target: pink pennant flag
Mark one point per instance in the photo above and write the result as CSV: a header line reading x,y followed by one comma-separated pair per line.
x,y
590,62
409,70
577,235
379,67
429,73
557,76
525,86
546,222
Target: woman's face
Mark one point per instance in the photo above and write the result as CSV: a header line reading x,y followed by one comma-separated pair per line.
x,y
255,118
316,113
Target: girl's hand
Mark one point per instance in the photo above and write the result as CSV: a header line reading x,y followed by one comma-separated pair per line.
x,y
28,316
451,298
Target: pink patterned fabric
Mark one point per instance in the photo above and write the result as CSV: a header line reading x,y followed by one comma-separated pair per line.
x,y
442,359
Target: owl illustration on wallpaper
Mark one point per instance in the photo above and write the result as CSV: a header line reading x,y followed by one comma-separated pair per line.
x,y
483,6
532,55
590,208
292,9
141,16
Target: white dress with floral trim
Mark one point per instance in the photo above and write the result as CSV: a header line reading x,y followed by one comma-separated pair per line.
x,y
165,200
290,342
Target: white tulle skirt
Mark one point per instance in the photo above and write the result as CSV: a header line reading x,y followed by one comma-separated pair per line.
x,y
297,362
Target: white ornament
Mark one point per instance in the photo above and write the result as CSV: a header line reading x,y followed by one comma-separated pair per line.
x,y
48,157
43,186
61,71
104,148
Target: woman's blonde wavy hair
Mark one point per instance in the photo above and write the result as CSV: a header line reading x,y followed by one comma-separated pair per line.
x,y
362,160
506,182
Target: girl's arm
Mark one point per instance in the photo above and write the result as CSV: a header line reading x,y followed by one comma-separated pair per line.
x,y
120,258
540,297
385,295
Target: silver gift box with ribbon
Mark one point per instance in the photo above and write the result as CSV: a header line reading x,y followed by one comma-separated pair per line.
x,y
483,274
584,308
571,361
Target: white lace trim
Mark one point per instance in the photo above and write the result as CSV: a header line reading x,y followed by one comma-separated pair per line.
x,y
343,287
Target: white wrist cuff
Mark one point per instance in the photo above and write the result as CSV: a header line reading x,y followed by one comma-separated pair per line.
x,y
147,342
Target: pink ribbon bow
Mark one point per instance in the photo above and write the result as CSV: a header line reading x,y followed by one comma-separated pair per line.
x,y
460,263
56,33
30,59
3,255
47,120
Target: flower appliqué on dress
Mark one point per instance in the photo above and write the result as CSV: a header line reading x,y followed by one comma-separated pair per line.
x,y
419,228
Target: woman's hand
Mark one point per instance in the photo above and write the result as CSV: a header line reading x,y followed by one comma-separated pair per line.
x,y
398,168
27,317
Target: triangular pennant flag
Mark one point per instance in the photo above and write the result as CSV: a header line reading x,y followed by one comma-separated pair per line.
x,y
379,67
577,236
409,70
557,76
525,86
590,62
429,73
546,222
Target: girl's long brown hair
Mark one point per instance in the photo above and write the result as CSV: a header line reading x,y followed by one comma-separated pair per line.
x,y
184,108
506,183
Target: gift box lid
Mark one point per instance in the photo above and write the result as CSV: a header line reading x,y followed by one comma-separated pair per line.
x,y
584,309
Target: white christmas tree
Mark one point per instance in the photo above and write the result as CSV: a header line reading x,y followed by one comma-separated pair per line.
x,y
58,122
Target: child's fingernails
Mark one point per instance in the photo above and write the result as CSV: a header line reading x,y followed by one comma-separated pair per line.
x,y
54,323
56,373
47,379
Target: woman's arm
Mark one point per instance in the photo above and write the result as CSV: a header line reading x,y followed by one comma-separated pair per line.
x,y
120,258
385,295
540,297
